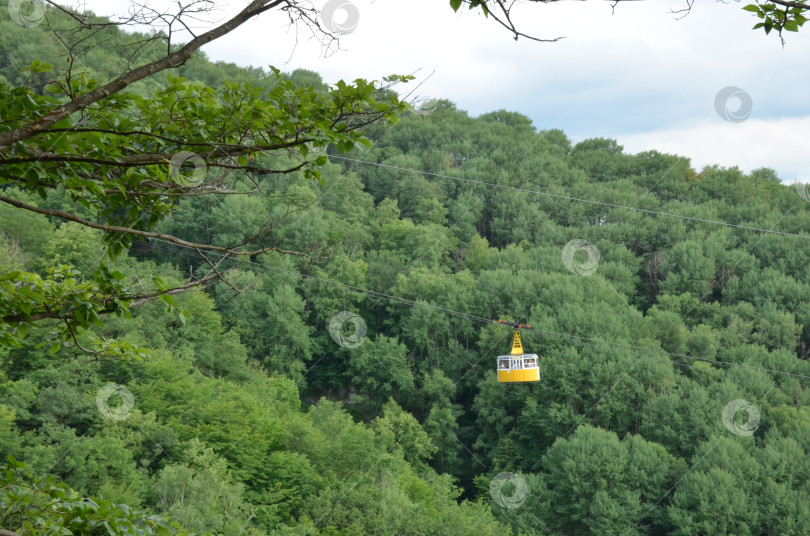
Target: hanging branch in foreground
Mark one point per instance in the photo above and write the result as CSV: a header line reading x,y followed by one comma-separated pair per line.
x,y
126,161
779,15
35,505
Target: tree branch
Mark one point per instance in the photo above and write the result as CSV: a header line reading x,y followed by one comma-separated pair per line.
x,y
145,159
788,3
170,60
147,234
134,299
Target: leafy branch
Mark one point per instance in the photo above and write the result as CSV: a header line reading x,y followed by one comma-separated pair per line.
x,y
779,15
31,506
126,162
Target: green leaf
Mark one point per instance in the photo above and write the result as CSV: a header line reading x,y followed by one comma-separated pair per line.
x,y
22,330
41,67
455,4
160,283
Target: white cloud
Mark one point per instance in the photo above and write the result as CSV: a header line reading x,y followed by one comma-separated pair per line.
x,y
781,144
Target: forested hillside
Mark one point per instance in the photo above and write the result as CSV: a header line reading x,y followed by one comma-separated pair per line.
x,y
353,390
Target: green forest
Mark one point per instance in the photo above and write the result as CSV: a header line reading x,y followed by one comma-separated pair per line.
x,y
302,339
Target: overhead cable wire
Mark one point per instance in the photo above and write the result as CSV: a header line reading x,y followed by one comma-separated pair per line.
x,y
483,320
569,198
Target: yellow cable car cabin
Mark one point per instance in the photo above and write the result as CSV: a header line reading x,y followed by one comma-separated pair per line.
x,y
518,367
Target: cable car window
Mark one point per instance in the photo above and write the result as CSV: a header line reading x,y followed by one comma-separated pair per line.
x,y
529,363
503,364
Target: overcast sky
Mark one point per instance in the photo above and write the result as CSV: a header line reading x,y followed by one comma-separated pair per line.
x,y
638,74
